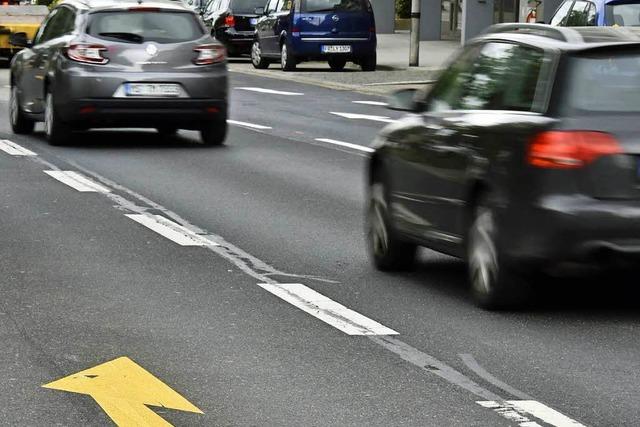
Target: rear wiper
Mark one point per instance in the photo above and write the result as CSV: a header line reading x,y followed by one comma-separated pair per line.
x,y
132,37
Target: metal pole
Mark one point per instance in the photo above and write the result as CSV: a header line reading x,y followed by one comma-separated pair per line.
x,y
414,54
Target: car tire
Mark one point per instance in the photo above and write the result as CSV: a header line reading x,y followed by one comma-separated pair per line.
x,y
56,131
214,133
337,64
494,283
287,61
369,63
20,124
257,59
388,252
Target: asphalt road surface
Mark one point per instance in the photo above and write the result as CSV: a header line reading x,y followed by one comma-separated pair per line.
x,y
238,278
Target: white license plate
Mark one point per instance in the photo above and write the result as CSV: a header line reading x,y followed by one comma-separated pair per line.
x,y
152,89
253,21
336,49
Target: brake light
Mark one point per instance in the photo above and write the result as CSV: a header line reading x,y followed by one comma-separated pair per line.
x,y
230,21
209,54
570,149
87,53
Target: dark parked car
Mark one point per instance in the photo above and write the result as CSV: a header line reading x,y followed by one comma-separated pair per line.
x,y
233,23
120,64
578,13
523,158
336,31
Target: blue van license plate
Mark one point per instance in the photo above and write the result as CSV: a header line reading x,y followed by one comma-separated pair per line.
x,y
336,49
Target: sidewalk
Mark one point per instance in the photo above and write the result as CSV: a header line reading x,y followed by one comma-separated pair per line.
x,y
393,67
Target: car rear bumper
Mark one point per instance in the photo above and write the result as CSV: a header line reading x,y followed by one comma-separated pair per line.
x,y
311,47
580,229
236,41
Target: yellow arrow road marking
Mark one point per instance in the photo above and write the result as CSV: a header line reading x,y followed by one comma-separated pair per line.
x,y
123,388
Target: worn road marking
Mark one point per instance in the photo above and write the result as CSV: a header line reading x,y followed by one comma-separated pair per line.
x,y
378,103
354,116
77,181
123,388
472,364
249,125
530,407
346,144
171,230
14,149
326,309
271,91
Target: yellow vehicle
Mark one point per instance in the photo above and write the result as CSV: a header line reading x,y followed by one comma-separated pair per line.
x,y
18,19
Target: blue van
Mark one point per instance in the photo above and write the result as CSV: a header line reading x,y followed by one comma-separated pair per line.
x,y
336,31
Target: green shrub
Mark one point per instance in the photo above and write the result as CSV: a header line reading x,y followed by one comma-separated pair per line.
x,y
403,9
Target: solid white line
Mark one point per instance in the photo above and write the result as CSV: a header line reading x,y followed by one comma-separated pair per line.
x,y
473,364
171,230
378,103
249,125
514,410
327,310
271,91
346,144
354,116
77,181
14,149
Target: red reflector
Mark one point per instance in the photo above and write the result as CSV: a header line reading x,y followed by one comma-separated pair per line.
x,y
213,110
87,110
230,21
372,29
570,149
295,30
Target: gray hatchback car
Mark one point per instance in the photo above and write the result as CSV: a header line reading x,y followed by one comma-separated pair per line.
x,y
120,63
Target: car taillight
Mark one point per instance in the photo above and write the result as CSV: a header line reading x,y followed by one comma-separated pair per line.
x,y
230,21
209,54
570,149
87,53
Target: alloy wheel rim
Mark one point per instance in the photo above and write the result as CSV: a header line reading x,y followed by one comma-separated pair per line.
x,y
285,56
48,114
13,107
255,53
379,232
482,257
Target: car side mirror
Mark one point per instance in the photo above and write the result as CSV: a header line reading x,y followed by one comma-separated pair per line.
x,y
259,11
405,100
19,40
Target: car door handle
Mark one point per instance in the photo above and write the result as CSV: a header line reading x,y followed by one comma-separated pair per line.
x,y
449,149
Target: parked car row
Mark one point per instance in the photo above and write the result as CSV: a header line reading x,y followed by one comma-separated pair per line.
x,y
294,31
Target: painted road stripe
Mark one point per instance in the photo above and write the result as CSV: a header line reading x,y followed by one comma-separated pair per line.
x,y
533,408
346,144
77,181
354,116
172,230
271,91
14,149
378,103
327,310
249,125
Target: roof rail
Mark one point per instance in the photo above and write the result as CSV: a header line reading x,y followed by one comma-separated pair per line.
x,y
558,33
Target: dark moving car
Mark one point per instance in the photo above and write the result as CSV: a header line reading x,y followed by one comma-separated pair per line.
x,y
336,31
120,63
523,158
233,23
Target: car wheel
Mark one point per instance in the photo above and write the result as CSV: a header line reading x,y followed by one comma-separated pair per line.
x,y
337,64
256,56
494,285
214,133
287,61
56,131
387,251
369,63
20,124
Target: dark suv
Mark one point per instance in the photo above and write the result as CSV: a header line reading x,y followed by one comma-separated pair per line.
x,y
233,23
524,157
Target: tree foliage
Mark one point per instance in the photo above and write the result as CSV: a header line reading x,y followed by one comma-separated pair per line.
x,y
403,9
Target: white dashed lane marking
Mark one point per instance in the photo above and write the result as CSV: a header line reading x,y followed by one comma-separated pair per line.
x,y
514,410
248,125
326,309
270,91
346,144
77,181
377,103
14,149
354,116
172,230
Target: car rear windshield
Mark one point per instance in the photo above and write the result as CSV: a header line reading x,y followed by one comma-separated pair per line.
x,y
246,6
310,6
605,82
623,14
144,26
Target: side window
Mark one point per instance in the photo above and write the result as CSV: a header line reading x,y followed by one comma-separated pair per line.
x,y
56,26
504,77
560,18
285,5
591,15
40,36
578,15
446,93
271,6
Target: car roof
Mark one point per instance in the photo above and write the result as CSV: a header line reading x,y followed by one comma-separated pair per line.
x,y
100,5
563,38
